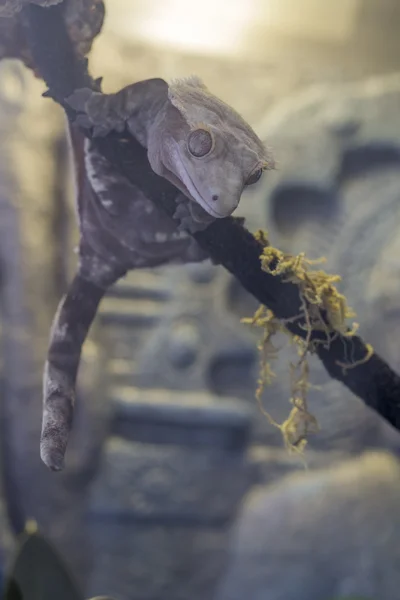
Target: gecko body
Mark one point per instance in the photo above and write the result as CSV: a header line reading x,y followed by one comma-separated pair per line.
x,y
119,225
193,139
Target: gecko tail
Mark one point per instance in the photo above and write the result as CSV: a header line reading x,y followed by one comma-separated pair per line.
x,y
70,327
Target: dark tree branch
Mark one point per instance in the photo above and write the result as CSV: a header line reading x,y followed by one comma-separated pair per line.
x,y
226,241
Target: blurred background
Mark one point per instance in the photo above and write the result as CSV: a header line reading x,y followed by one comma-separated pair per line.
x,y
168,440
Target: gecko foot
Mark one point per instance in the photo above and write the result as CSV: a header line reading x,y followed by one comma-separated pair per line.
x,y
101,124
78,101
192,218
183,216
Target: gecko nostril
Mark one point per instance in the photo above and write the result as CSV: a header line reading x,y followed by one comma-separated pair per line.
x,y
215,197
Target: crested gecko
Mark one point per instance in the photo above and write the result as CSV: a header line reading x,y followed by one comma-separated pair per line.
x,y
195,141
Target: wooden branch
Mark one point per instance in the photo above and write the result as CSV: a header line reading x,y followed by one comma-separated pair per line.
x,y
226,240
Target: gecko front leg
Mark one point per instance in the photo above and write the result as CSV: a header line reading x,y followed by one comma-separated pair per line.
x,y
190,216
135,107
93,112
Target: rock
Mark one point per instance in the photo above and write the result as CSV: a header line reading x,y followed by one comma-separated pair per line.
x,y
169,483
326,534
178,329
312,130
183,418
269,465
156,561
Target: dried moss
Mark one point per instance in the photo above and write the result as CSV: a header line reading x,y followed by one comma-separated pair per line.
x,y
323,309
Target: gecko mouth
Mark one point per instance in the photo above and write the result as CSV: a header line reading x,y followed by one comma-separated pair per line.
x,y
194,194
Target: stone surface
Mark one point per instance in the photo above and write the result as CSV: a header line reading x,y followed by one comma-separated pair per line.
x,y
269,465
186,418
146,562
319,134
169,483
181,334
327,534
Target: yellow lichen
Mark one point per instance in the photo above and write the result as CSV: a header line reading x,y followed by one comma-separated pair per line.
x,y
323,309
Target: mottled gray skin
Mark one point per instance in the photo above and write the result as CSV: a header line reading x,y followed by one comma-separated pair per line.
x,y
121,222
161,117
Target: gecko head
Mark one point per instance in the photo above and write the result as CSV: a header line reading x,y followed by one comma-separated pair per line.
x,y
208,151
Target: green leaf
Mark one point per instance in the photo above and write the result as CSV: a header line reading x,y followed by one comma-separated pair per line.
x,y
38,573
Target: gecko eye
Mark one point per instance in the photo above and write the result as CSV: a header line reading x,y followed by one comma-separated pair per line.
x,y
200,143
254,177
